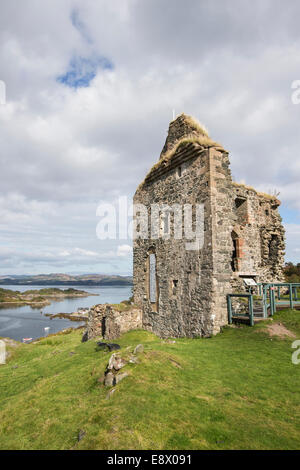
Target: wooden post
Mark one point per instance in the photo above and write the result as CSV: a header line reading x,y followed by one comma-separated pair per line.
x,y
229,309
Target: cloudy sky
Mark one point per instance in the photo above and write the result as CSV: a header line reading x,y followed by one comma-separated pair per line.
x,y
90,89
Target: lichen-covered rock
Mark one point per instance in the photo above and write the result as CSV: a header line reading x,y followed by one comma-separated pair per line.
x,y
116,362
110,393
133,360
120,377
109,379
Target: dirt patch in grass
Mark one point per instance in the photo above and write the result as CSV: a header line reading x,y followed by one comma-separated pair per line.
x,y
278,329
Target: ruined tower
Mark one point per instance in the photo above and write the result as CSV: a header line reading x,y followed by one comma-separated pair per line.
x,y
181,282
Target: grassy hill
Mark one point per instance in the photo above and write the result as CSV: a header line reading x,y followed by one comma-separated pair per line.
x,y
67,279
237,390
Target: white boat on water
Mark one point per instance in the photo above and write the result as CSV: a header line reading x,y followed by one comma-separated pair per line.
x,y
83,310
25,340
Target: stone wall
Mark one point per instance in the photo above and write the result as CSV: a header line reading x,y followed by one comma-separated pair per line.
x,y
179,128
181,309
261,235
108,322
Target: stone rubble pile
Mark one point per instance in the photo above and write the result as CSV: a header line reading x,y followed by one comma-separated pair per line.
x,y
112,375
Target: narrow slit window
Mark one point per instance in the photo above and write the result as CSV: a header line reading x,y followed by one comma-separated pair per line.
x,y
152,278
174,286
181,169
234,256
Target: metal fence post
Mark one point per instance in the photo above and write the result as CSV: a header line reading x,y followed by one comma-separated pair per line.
x,y
271,301
229,309
291,296
274,300
259,289
251,310
295,293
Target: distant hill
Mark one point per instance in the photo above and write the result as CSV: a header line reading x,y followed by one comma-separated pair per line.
x,y
67,279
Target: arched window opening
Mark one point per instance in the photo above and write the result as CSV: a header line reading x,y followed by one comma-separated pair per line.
x,y
241,210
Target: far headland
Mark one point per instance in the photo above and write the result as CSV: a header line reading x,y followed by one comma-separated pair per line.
x,y
61,279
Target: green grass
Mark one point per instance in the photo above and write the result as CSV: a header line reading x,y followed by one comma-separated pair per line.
x,y
124,306
237,390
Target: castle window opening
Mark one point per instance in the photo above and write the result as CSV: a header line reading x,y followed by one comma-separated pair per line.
x,y
152,279
241,210
181,169
174,286
234,258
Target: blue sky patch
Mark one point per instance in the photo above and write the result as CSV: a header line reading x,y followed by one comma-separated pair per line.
x,y
289,216
82,70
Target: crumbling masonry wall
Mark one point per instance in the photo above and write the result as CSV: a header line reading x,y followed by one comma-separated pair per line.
x,y
109,322
243,236
183,276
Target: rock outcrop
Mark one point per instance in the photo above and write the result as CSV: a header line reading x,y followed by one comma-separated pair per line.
x,y
112,375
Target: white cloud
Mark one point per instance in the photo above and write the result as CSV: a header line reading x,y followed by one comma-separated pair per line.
x,y
124,250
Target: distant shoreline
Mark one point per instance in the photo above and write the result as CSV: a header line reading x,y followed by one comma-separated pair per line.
x,y
38,298
59,279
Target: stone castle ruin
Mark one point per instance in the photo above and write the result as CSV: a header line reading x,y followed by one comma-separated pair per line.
x,y
181,283
182,292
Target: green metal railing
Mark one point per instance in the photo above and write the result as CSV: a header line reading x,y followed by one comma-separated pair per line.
x,y
268,292
250,313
